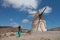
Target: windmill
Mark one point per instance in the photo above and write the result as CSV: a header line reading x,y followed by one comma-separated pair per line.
x,y
39,23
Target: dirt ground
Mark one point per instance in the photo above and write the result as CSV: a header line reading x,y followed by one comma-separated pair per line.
x,y
49,35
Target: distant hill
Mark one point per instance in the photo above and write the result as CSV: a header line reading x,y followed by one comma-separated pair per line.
x,y
54,29
5,29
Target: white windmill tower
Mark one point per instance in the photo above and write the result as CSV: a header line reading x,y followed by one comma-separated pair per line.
x,y
39,23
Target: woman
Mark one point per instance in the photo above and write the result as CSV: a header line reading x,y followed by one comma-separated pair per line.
x,y
19,31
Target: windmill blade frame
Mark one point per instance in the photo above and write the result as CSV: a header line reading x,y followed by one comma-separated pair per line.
x,y
37,17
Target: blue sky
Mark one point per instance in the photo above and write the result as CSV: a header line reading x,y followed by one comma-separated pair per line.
x,y
14,15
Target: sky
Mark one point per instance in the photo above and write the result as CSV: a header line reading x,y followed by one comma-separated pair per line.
x,y
21,12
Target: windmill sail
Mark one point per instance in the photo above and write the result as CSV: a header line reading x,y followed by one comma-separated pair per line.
x,y
38,23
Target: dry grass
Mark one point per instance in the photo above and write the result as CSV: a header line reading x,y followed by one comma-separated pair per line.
x,y
12,34
0,36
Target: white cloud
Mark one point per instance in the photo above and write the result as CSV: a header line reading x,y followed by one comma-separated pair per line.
x,y
21,4
5,5
11,19
32,13
48,9
25,20
25,5
1,25
14,24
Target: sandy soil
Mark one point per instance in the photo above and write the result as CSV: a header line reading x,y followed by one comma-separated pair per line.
x,y
50,35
